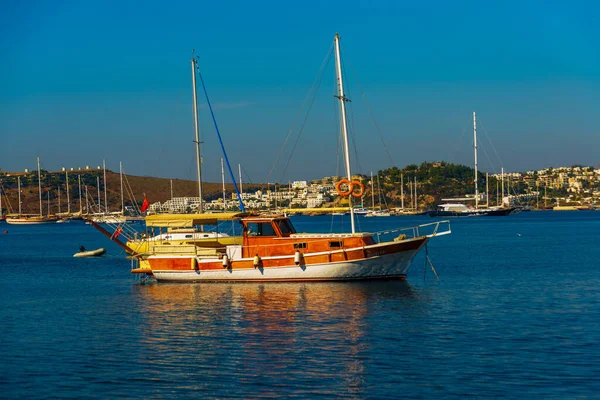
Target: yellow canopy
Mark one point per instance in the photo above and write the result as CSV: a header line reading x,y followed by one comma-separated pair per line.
x,y
190,220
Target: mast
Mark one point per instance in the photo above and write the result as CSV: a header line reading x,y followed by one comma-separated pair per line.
x,y
402,190
416,203
40,186
502,199
19,188
80,207
223,181
487,191
87,205
475,153
342,98
105,198
58,189
98,185
68,198
171,189
198,159
48,202
240,172
122,200
372,193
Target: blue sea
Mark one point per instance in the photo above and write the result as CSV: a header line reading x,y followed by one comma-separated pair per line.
x,y
515,313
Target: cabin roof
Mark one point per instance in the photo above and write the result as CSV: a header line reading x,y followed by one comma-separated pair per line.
x,y
190,220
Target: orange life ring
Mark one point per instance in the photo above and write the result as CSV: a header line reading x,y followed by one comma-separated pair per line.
x,y
339,185
361,186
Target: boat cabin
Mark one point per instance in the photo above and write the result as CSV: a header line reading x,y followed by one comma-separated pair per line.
x,y
273,236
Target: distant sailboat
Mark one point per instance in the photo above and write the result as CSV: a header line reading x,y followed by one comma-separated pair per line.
x,y
21,219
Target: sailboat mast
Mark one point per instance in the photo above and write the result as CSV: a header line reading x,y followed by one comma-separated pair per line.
x,y
223,182
19,189
487,191
98,185
80,206
105,197
372,193
240,172
502,177
122,200
416,202
402,190
342,98
87,205
40,185
58,189
48,202
198,159
68,198
475,153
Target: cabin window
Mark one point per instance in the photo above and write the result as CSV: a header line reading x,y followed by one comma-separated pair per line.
x,y
189,236
285,227
335,245
299,245
260,229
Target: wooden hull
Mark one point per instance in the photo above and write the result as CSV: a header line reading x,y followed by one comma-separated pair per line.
x,y
380,261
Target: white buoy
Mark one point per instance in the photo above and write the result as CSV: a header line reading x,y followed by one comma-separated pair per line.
x,y
297,257
225,261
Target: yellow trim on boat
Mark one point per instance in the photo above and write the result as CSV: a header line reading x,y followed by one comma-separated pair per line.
x,y
189,220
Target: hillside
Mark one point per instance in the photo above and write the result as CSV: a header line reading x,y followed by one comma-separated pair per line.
x,y
156,189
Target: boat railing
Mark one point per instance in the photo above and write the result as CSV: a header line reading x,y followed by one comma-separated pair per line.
x,y
432,229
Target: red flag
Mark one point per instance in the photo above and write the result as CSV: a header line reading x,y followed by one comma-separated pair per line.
x,y
117,232
145,204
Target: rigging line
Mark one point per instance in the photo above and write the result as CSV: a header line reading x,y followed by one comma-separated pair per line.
x,y
490,140
220,140
312,102
385,146
321,69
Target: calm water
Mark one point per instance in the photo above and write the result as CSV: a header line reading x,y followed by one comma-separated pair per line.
x,y
515,314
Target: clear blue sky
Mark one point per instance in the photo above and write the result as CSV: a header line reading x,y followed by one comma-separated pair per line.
x,y
85,81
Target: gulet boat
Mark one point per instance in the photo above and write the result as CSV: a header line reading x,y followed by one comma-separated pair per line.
x,y
271,249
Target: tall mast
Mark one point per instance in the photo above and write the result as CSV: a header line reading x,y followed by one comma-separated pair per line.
x,y
80,207
223,181
48,202
240,172
19,188
342,98
416,202
122,200
502,177
475,152
98,185
487,191
402,190
68,198
105,198
40,185
372,193
198,159
87,205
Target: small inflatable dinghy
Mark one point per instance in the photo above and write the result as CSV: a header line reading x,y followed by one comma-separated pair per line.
x,y
91,253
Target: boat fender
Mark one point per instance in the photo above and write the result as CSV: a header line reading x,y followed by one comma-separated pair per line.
x,y
257,260
297,257
225,261
193,263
